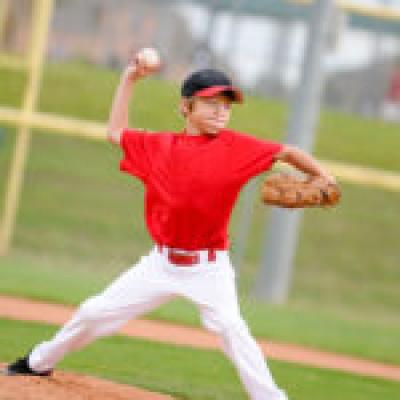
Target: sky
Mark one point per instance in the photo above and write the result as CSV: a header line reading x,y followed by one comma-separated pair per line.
x,y
250,46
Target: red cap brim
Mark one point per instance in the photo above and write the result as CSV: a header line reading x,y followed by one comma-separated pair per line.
x,y
237,95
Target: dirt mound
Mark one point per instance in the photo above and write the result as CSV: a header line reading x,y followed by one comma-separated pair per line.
x,y
67,386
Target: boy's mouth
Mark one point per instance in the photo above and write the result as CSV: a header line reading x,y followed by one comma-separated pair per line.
x,y
216,121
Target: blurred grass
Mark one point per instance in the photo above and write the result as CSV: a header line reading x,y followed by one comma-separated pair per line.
x,y
171,369
81,221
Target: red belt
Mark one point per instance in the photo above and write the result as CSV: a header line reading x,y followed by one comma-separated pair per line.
x,y
188,258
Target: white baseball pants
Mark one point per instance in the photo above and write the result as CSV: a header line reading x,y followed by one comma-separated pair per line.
x,y
148,284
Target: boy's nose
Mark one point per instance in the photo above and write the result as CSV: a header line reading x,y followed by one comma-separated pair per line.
x,y
220,108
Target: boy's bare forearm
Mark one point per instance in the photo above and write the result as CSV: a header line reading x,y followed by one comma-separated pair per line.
x,y
303,162
118,119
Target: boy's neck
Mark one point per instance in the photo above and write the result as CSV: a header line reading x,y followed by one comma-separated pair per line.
x,y
191,129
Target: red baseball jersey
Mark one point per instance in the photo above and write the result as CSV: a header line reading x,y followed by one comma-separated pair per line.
x,y
192,181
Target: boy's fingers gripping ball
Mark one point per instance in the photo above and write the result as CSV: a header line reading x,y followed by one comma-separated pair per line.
x,y
289,191
149,58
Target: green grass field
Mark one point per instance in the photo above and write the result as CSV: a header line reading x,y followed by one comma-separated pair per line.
x,y
172,370
81,221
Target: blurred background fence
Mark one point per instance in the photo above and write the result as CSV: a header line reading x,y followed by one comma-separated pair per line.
x,y
261,42
77,213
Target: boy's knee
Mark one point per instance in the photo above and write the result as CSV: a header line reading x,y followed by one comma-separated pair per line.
x,y
225,325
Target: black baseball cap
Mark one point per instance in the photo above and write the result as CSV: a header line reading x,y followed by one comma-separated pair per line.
x,y
209,82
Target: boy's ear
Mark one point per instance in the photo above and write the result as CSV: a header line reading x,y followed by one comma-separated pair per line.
x,y
185,106
183,109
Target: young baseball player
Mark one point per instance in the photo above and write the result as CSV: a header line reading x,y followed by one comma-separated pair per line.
x,y
192,179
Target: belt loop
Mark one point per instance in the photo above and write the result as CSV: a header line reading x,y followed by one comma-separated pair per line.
x,y
212,255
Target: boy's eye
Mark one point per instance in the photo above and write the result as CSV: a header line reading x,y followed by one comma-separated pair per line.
x,y
215,102
212,102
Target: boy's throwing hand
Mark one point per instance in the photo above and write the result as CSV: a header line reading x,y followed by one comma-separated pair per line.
x,y
142,63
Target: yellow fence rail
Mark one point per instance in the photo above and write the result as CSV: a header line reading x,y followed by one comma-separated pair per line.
x,y
364,175
53,123
94,130
10,61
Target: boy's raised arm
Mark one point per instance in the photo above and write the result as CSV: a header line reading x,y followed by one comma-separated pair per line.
x,y
136,69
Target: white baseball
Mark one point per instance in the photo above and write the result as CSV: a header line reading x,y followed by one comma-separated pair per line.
x,y
150,57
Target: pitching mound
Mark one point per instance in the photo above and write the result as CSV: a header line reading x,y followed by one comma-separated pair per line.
x,y
67,386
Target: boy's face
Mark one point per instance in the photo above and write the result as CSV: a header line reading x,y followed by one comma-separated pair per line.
x,y
208,114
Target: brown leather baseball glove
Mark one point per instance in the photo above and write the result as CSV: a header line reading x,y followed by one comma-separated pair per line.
x,y
289,191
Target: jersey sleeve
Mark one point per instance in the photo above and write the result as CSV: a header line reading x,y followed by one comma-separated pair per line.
x,y
253,155
135,145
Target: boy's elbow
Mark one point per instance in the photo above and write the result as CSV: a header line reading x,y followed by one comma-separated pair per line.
x,y
109,136
113,136
288,153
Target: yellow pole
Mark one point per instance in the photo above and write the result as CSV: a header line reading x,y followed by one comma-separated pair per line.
x,y
374,10
4,7
41,19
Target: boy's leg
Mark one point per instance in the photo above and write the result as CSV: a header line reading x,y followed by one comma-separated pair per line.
x,y
215,294
138,290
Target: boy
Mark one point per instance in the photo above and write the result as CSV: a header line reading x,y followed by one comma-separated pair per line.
x,y
192,180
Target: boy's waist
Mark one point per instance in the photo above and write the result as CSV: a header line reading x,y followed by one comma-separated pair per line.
x,y
182,257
